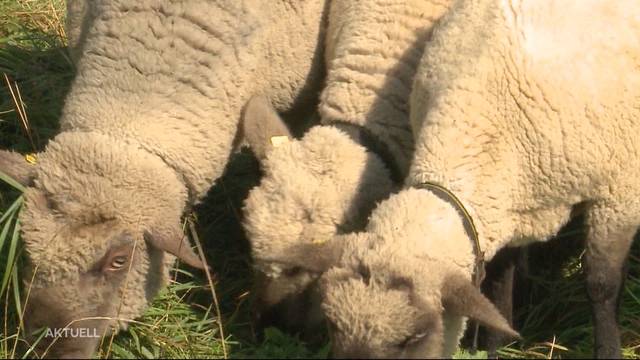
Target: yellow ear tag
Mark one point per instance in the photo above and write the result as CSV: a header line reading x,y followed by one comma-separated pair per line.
x,y
31,158
278,141
318,241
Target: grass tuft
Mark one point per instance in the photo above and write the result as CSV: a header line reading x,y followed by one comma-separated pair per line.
x,y
170,328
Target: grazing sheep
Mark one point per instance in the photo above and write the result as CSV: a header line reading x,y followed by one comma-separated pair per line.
x,y
147,127
328,181
527,119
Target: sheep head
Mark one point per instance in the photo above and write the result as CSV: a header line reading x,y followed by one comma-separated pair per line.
x,y
312,189
376,309
89,268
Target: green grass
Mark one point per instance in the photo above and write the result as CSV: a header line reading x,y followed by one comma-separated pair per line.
x,y
553,317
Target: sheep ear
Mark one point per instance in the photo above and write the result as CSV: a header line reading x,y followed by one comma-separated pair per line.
x,y
16,166
176,243
461,298
262,126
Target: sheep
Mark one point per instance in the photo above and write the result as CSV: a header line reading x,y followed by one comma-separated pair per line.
x,y
328,181
149,124
522,120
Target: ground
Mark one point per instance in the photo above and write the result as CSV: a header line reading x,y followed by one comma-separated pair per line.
x,y
552,311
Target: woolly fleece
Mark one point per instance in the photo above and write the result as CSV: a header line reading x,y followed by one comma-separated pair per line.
x,y
149,124
327,183
523,115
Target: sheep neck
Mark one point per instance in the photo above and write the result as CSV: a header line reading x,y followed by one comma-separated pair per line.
x,y
417,223
446,195
374,144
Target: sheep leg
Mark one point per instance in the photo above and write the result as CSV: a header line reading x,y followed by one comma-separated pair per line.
x,y
499,289
606,252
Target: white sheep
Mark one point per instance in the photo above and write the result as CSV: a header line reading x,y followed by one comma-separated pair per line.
x,y
148,125
328,181
526,117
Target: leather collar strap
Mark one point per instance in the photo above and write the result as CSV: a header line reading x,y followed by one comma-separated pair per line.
x,y
442,192
479,272
373,144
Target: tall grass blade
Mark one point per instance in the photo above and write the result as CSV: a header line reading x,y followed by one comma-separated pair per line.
x,y
9,217
9,180
11,210
15,284
11,258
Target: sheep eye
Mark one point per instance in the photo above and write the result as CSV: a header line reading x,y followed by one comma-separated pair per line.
x,y
118,263
412,340
116,258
